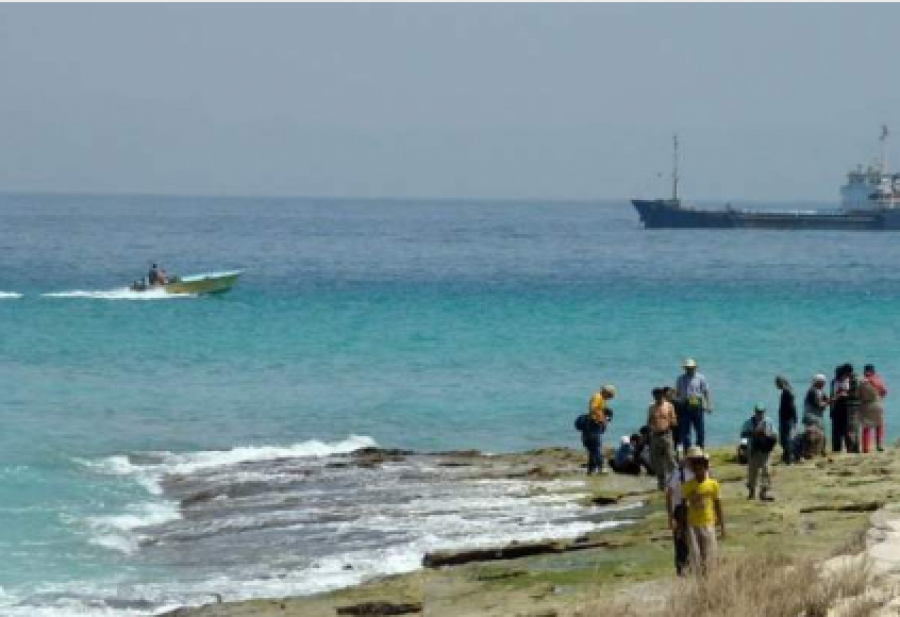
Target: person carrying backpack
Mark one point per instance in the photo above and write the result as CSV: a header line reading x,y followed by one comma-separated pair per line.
x,y
761,435
592,426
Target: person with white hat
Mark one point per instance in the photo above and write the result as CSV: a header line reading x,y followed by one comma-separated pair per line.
x,y
816,402
692,401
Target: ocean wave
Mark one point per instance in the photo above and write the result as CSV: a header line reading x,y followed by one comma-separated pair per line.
x,y
9,295
118,294
150,468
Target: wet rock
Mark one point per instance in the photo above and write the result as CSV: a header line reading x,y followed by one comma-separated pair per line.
x,y
542,473
511,551
380,608
462,453
375,457
865,506
514,550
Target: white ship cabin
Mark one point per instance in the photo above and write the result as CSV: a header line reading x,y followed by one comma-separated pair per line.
x,y
869,189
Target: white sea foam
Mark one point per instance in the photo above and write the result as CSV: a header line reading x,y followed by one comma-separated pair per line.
x,y
201,461
9,295
150,474
119,531
409,512
143,515
118,294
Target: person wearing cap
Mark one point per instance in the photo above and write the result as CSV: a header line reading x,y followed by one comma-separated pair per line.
x,y
872,391
693,400
816,402
761,435
704,511
662,422
625,460
597,406
594,426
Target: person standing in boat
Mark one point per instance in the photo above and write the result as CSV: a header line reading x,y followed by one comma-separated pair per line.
x,y
693,401
156,276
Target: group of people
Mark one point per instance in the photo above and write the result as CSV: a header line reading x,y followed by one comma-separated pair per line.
x,y
692,496
672,416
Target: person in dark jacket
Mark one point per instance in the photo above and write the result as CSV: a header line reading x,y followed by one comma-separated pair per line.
x,y
787,419
840,425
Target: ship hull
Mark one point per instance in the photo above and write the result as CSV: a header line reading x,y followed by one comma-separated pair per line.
x,y
668,214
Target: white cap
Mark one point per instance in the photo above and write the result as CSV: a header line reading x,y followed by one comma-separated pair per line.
x,y
820,377
744,441
689,363
626,440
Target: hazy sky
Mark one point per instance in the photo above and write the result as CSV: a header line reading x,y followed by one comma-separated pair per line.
x,y
444,100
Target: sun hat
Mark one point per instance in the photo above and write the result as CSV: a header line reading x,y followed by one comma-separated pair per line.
x,y
759,408
696,452
608,389
689,363
820,377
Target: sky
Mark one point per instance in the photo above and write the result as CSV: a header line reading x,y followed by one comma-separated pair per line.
x,y
579,101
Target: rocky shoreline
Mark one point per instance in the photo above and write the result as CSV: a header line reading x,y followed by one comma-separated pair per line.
x,y
823,508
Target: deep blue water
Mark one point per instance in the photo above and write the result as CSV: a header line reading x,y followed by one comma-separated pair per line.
x,y
429,324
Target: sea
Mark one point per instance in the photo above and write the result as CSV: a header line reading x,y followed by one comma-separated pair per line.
x,y
421,324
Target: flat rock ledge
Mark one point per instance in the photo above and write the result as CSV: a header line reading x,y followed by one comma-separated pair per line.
x,y
514,550
380,608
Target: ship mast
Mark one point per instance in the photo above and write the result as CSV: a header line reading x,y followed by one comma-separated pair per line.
x,y
675,167
883,139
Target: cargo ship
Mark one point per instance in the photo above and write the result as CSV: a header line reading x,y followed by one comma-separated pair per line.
x,y
870,201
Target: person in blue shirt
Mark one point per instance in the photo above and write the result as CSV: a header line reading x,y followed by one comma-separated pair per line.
x,y
761,435
692,401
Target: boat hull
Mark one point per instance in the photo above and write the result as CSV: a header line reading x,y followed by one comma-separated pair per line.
x,y
668,214
212,283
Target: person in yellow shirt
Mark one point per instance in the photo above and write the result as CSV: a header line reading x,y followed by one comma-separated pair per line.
x,y
598,403
704,511
594,426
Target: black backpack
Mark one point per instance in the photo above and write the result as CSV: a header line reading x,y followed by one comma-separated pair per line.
x,y
581,422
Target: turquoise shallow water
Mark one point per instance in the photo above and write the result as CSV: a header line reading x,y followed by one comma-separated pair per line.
x,y
419,324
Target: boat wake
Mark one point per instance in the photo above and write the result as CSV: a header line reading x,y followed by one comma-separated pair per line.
x,y
118,294
9,295
275,521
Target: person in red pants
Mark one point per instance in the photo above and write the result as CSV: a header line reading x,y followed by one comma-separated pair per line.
x,y
872,391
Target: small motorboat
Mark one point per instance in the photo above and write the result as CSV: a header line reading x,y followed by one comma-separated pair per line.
x,y
206,283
